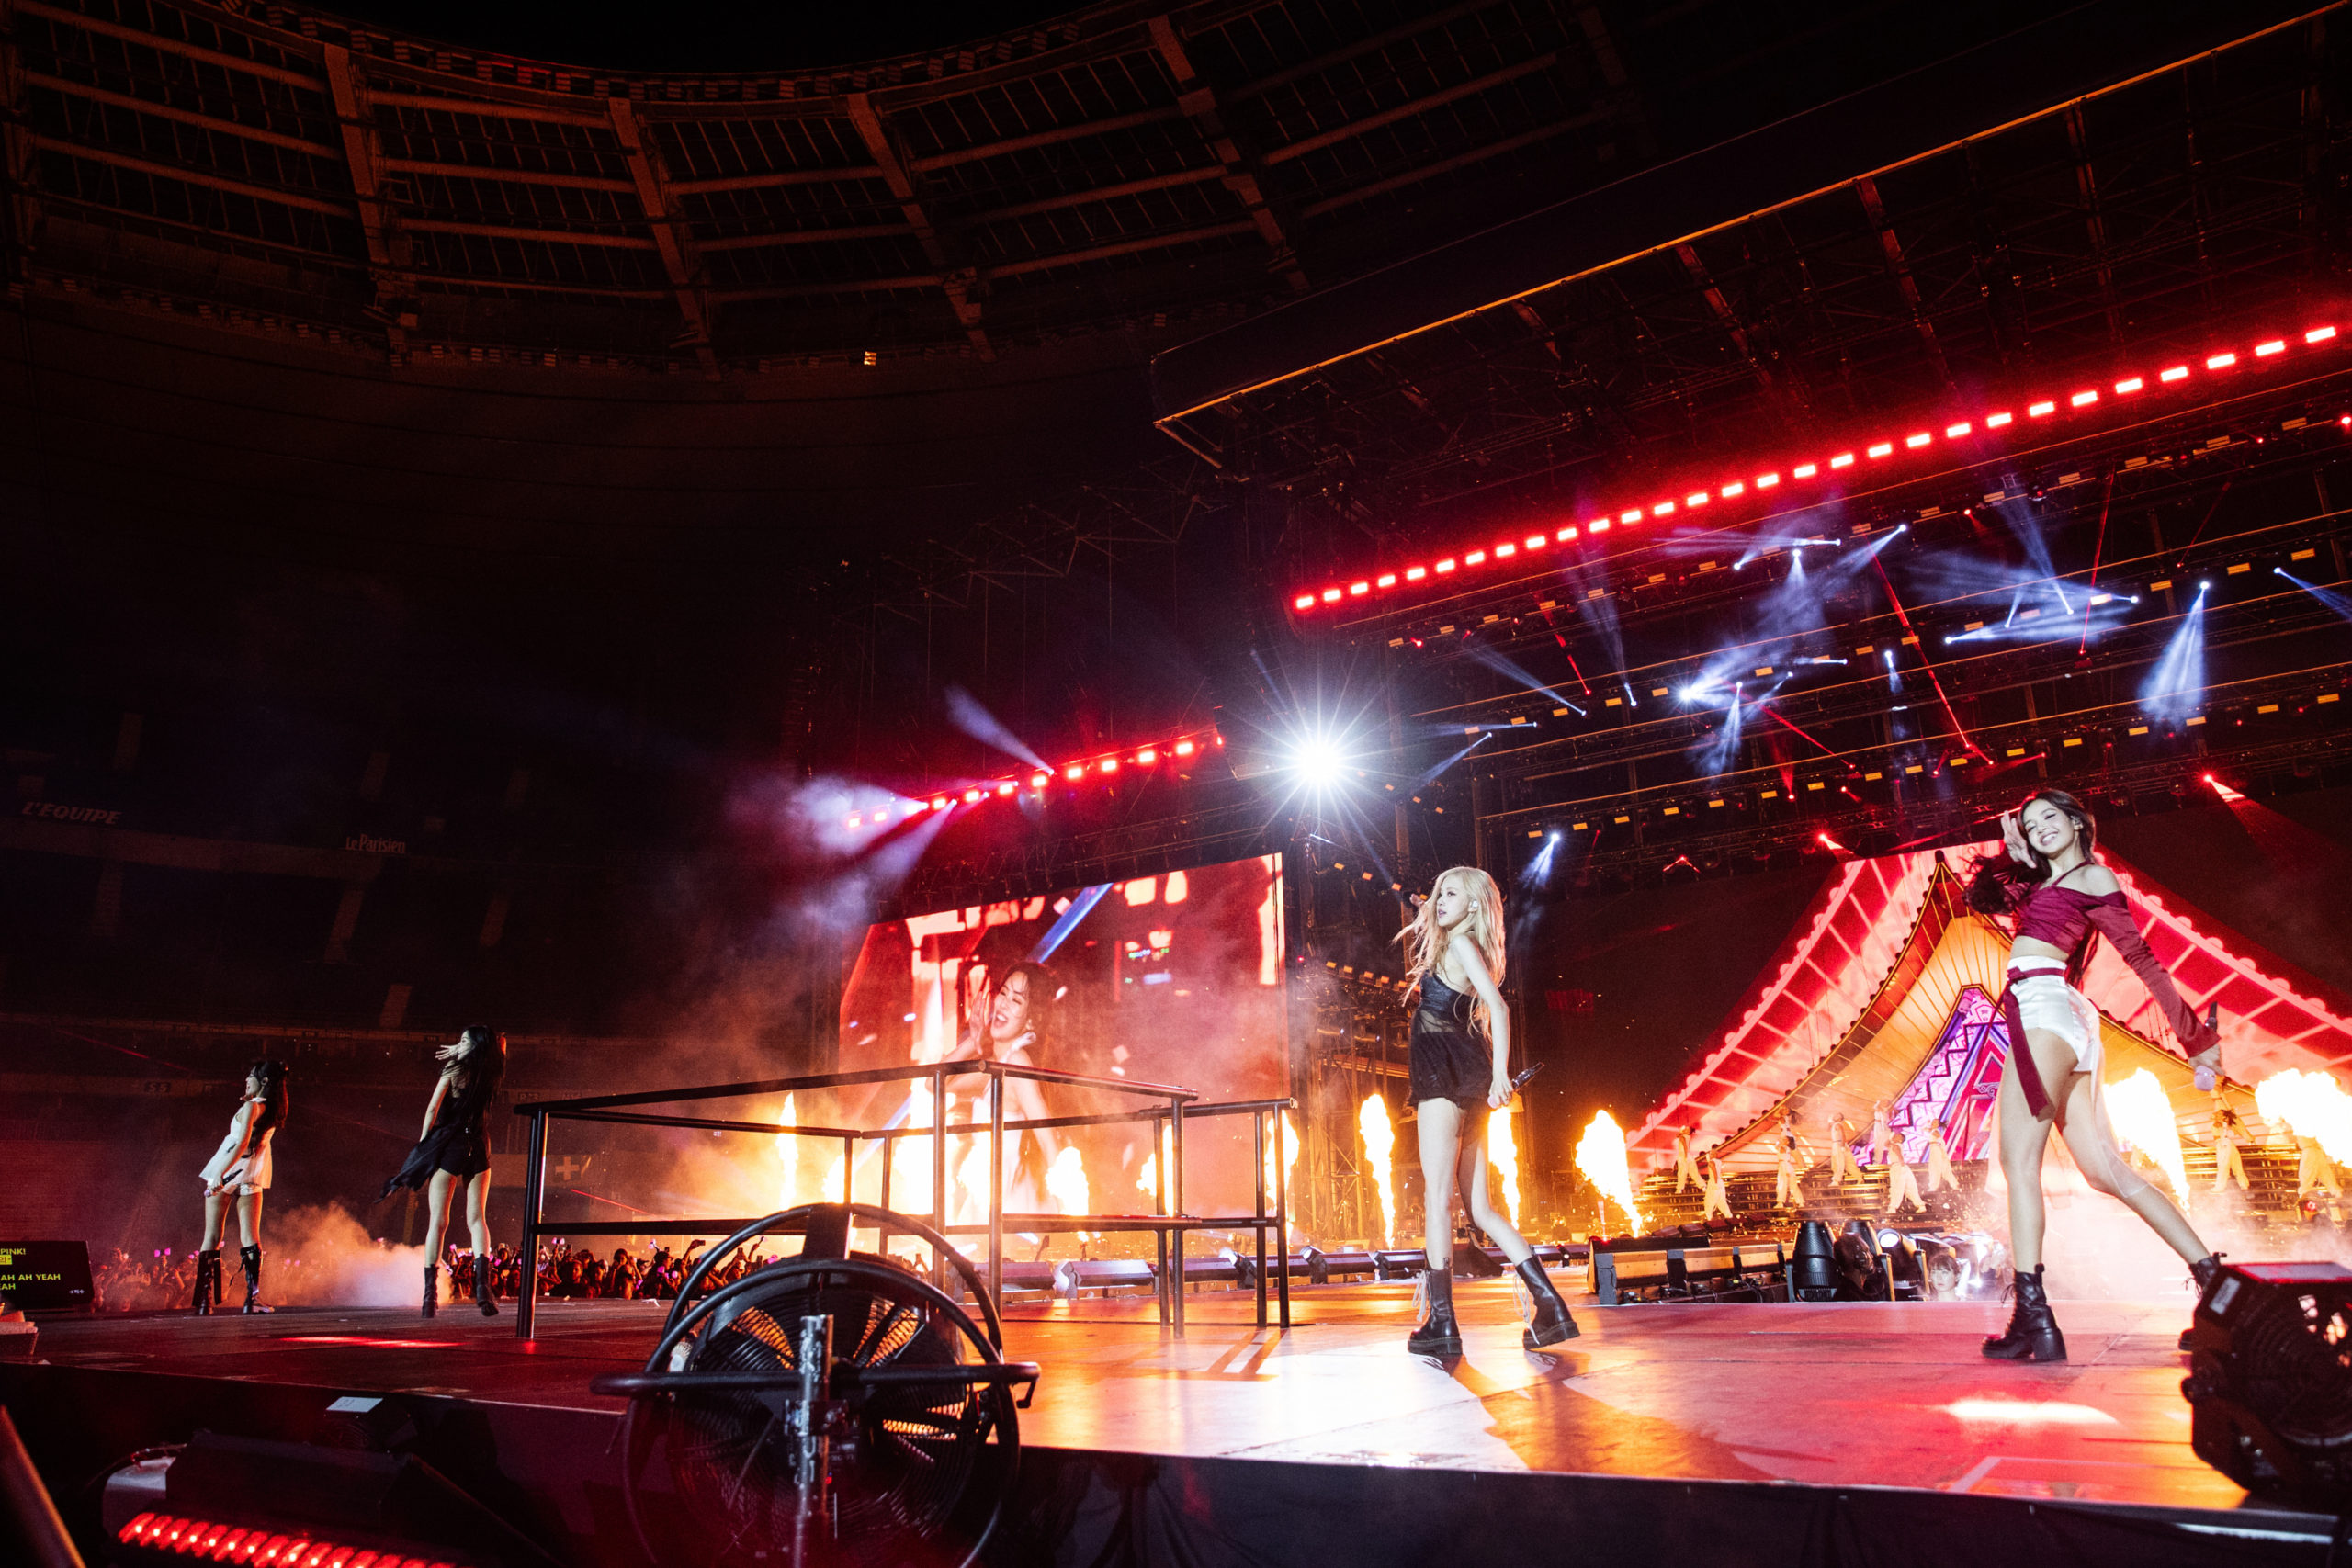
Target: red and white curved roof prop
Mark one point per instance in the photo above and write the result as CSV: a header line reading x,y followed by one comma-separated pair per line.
x,y
1840,949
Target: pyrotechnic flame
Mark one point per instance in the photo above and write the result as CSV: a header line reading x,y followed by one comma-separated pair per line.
x,y
911,1161
1066,1182
787,1149
1147,1178
1379,1142
2143,1116
1502,1153
2313,1105
1290,1157
1601,1155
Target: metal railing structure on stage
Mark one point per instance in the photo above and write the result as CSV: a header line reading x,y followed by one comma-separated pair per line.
x,y
1168,1224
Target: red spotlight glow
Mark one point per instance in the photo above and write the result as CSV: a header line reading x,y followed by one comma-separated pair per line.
x,y
1004,789
1037,780
1994,420
2265,350
970,795
2220,361
1304,602
1415,573
1829,843
1109,764
1183,748
939,802
2035,411
1146,756
2176,373
1075,771
2319,334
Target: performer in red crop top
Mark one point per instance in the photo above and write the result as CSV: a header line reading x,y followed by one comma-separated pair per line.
x,y
2061,901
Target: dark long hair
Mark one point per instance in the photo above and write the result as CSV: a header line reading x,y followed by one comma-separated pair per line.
x,y
1999,880
272,1074
483,1064
1044,989
1996,880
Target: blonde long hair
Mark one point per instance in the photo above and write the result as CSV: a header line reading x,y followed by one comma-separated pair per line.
x,y
1425,941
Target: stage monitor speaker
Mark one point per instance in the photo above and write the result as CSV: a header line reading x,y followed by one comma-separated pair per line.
x,y
2269,1384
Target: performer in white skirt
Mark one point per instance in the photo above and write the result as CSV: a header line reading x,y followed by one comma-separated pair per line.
x,y
1901,1186
1788,1190
238,1172
1718,1198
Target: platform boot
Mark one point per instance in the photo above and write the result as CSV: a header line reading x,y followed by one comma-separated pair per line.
x,y
1548,1322
251,1258
1438,1335
2033,1333
432,1288
484,1297
2202,1271
208,1281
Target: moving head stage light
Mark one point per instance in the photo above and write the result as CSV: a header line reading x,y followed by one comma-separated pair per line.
x,y
2269,1384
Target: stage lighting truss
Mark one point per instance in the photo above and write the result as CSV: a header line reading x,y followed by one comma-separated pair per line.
x,y
1982,436
1179,754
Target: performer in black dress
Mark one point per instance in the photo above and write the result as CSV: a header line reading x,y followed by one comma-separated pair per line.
x,y
455,1147
1460,1075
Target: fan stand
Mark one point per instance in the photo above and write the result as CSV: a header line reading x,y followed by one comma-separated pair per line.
x,y
905,1436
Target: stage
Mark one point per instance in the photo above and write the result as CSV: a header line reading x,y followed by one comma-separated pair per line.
x,y
1813,1431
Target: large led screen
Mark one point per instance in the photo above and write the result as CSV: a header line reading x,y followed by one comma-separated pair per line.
x,y
1174,979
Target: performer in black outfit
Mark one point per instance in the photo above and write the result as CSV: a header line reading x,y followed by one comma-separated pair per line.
x,y
455,1147
1460,1075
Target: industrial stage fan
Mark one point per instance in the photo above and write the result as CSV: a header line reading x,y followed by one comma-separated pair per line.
x,y
901,1449
2269,1382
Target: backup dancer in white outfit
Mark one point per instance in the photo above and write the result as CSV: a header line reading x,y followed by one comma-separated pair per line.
x,y
240,1170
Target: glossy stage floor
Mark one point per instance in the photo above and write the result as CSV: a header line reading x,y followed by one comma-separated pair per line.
x,y
1768,1433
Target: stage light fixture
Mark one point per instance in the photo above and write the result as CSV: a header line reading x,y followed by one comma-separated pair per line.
x,y
1877,449
1109,764
1147,757
1183,748
1536,541
1415,573
1446,565
1319,761
1037,780
1004,789
939,802
970,797
1074,771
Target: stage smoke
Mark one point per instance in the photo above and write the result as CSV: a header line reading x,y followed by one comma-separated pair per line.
x,y
2176,685
2337,602
324,1256
964,710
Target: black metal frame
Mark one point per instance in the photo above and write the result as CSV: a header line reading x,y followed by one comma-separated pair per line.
x,y
1168,1225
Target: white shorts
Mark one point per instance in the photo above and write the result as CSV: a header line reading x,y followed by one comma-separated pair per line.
x,y
2047,1003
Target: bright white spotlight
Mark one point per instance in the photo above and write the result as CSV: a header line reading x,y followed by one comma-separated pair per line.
x,y
1319,761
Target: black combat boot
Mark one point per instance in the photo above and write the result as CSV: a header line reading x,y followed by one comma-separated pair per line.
x,y
1548,1322
2033,1333
208,1281
432,1288
251,1258
484,1297
1438,1335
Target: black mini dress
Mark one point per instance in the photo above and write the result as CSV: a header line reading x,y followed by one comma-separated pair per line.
x,y
459,1143
1448,1060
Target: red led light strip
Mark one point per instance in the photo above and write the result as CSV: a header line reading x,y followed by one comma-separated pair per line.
x,y
1181,749
202,1541
1759,484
